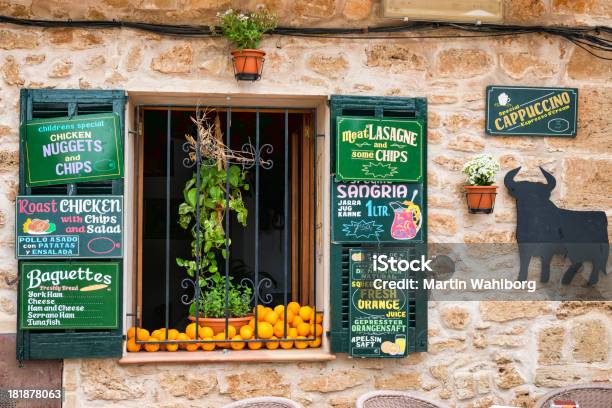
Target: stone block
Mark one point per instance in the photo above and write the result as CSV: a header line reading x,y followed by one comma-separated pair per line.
x,y
11,73
550,345
61,68
442,224
177,60
584,66
508,377
588,183
104,380
403,380
332,380
465,385
18,40
395,57
506,311
357,9
9,160
590,341
577,308
330,66
255,383
314,8
455,317
189,386
466,143
524,10
452,344
518,65
463,63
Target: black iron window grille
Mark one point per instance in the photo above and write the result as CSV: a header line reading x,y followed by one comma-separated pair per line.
x,y
260,285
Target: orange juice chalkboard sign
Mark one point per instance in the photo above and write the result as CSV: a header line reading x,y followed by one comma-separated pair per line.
x,y
377,212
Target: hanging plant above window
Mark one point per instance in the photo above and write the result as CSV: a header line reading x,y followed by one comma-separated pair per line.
x,y
244,30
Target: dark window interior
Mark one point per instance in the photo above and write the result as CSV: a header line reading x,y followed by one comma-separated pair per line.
x,y
242,252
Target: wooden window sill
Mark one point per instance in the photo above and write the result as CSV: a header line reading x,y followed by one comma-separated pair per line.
x,y
225,356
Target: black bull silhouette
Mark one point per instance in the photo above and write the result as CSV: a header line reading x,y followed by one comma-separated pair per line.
x,y
543,230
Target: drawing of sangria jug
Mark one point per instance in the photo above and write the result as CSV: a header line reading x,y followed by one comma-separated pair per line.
x,y
407,219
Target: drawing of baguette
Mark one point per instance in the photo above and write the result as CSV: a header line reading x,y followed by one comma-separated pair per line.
x,y
93,287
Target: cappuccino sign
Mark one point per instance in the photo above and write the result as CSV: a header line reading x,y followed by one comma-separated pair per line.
x,y
75,295
521,110
370,149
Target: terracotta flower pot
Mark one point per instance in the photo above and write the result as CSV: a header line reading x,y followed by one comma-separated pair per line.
x,y
248,63
481,198
218,324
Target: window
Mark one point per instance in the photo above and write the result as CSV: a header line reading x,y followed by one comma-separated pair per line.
x,y
274,255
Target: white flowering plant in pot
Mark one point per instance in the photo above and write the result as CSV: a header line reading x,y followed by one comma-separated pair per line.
x,y
480,191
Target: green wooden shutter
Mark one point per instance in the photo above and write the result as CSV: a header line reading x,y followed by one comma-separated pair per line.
x,y
378,107
48,103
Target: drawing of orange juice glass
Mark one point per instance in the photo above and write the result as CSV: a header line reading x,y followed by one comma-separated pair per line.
x,y
407,219
400,340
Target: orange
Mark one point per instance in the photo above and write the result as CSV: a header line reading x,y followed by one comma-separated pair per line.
x,y
190,331
271,317
279,329
279,310
237,345
265,330
286,344
294,307
205,331
318,328
292,333
319,317
172,346
255,345
261,312
231,331
303,329
142,334
221,336
296,321
182,336
301,344
305,312
315,343
172,333
152,347
252,323
207,346
131,332
246,332
272,345
192,346
132,346
290,316
159,334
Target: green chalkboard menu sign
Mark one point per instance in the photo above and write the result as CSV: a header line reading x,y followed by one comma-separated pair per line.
x,y
71,150
378,315
373,149
77,295
521,110
69,226
376,212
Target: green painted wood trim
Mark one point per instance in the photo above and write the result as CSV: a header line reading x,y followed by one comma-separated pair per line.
x,y
70,343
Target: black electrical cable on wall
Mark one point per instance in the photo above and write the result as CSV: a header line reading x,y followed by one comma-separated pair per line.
x,y
594,40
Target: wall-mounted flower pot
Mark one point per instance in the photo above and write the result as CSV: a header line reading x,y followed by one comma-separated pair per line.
x,y
218,324
248,64
480,199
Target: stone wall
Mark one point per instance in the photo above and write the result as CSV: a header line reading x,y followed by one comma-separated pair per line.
x,y
480,353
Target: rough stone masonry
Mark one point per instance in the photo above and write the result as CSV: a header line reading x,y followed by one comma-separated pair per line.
x,y
480,353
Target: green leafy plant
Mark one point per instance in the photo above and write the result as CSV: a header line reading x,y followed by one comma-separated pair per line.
x,y
209,240
212,299
481,170
245,29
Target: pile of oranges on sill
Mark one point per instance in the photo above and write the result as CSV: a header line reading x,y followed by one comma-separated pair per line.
x,y
302,325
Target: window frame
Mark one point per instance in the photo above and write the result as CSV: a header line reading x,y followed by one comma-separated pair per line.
x,y
317,104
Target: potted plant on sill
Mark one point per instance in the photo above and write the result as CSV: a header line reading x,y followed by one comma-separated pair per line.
x,y
209,244
480,191
244,30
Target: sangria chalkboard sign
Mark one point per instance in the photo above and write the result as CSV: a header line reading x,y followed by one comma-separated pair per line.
x,y
378,315
376,212
69,226
373,149
71,150
74,295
